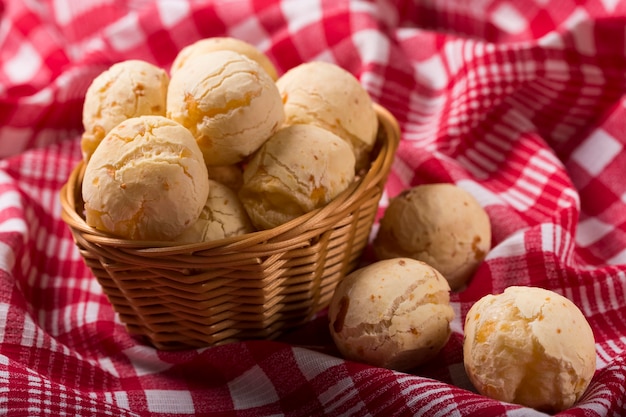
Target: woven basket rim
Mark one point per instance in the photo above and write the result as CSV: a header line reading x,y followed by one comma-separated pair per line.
x,y
71,201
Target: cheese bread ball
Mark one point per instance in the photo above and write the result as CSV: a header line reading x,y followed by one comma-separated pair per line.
x,y
299,169
394,313
529,346
146,181
327,95
228,102
225,43
440,224
230,175
127,89
223,216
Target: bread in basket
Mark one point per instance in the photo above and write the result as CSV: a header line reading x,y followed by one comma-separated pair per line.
x,y
253,286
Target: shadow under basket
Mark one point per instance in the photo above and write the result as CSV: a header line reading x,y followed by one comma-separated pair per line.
x,y
253,286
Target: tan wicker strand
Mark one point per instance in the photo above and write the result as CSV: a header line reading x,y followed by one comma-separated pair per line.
x,y
257,285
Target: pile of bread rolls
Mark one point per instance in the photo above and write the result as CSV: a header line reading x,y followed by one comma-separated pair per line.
x,y
527,345
220,145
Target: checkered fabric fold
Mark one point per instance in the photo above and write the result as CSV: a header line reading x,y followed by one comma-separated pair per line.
x,y
520,102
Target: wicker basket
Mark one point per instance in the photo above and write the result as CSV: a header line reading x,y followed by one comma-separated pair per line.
x,y
245,287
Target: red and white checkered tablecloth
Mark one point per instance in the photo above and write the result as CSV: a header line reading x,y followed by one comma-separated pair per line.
x,y
521,102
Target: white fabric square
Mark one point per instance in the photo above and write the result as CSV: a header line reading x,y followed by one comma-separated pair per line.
x,y
169,401
146,361
513,245
4,313
311,364
126,33
454,55
326,56
252,389
610,5
171,12
107,365
121,399
7,258
29,332
509,19
87,312
552,39
597,151
483,195
372,46
404,172
250,30
617,259
300,14
10,199
591,230
581,25
338,394
24,65
432,72
65,11
569,198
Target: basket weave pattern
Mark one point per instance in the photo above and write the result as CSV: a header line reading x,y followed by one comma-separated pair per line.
x,y
254,286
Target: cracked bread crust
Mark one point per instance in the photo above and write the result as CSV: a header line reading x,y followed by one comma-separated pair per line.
x,y
330,97
127,89
394,313
146,181
299,169
206,45
222,216
529,346
440,224
228,102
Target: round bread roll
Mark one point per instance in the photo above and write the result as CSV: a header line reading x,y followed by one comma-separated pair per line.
x,y
394,313
207,45
440,224
529,346
299,169
228,102
223,216
328,96
229,175
145,181
127,89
